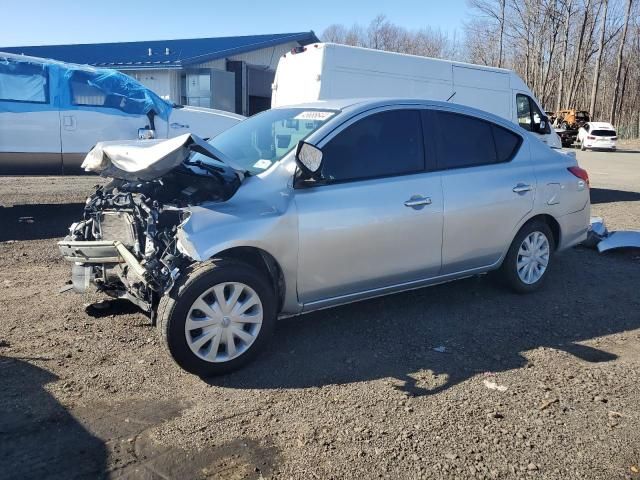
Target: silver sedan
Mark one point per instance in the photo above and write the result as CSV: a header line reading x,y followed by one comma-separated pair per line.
x,y
339,201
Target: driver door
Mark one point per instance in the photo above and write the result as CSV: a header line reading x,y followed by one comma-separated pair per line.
x,y
376,219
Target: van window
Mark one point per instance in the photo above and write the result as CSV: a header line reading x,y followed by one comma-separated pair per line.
x,y
529,115
23,82
380,145
524,111
85,93
466,141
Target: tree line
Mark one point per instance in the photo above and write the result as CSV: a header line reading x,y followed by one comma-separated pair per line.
x,y
581,54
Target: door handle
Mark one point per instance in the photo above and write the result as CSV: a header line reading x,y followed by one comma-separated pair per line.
x,y
417,201
522,188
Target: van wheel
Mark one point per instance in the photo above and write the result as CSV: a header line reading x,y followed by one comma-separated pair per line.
x,y
529,257
217,317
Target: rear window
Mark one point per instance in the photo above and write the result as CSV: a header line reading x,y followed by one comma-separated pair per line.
x,y
603,133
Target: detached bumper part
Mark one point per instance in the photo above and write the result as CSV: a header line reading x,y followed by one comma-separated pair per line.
x,y
100,252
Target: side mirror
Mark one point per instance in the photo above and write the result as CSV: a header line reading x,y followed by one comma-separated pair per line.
x,y
146,133
543,126
309,159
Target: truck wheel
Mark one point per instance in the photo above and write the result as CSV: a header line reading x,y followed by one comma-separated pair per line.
x,y
217,317
527,262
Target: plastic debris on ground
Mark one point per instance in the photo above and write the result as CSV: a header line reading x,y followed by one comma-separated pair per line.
x,y
494,386
598,236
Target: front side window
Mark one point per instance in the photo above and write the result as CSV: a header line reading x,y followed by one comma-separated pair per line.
x,y
264,139
524,111
380,145
466,141
23,81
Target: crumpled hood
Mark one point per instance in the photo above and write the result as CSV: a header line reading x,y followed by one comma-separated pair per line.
x,y
144,160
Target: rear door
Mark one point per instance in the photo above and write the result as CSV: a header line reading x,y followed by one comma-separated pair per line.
x,y
377,219
488,185
94,116
29,121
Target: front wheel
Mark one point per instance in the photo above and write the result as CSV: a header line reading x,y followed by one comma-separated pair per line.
x,y
217,317
529,257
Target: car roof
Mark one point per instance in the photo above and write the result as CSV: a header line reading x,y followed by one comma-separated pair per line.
x,y
357,105
604,125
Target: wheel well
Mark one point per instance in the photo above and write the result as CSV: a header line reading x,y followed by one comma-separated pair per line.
x,y
263,261
553,225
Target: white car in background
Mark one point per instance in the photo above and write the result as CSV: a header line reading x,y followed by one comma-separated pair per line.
x,y
597,135
52,113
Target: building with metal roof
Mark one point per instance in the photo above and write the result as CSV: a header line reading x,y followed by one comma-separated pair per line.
x,y
228,73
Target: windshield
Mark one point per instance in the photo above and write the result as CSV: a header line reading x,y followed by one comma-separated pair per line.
x,y
262,140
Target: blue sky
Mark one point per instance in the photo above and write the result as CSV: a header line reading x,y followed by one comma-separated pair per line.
x,y
69,21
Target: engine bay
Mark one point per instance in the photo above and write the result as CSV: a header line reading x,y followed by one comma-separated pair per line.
x,y
141,219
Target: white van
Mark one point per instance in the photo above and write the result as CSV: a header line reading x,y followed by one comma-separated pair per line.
x,y
324,71
52,113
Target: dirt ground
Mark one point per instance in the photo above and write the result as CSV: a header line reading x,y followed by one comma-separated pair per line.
x,y
361,391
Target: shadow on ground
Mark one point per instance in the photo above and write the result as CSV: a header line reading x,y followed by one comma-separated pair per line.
x,y
605,195
40,438
39,221
482,326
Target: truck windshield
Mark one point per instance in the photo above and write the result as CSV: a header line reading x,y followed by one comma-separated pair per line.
x,y
262,140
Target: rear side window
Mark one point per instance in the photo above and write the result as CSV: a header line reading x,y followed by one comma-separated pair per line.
x,y
603,133
507,143
466,141
23,82
380,145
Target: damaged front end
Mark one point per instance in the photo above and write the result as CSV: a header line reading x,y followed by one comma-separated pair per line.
x,y
126,244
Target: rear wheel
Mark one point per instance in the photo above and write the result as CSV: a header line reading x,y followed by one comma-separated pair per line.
x,y
218,317
529,257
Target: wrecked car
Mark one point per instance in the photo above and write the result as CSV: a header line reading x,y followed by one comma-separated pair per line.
x,y
311,206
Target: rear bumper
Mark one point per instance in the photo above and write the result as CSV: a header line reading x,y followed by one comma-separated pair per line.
x,y
605,145
574,227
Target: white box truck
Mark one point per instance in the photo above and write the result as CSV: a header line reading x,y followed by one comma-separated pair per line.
x,y
324,71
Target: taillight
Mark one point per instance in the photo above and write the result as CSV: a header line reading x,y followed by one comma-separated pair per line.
x,y
589,137
581,173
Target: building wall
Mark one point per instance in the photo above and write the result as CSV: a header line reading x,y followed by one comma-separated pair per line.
x,y
167,83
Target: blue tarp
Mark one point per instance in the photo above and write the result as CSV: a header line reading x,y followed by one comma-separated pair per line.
x,y
32,84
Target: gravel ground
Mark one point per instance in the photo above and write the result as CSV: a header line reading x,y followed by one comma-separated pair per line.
x,y
537,386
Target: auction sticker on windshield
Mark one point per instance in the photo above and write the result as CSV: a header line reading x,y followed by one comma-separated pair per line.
x,y
314,115
262,164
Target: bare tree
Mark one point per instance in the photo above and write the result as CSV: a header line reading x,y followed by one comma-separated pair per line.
x,y
596,73
614,102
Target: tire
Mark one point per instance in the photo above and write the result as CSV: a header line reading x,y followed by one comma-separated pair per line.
x,y
509,268
222,329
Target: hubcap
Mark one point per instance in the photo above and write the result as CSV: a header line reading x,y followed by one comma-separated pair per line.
x,y
533,257
224,322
